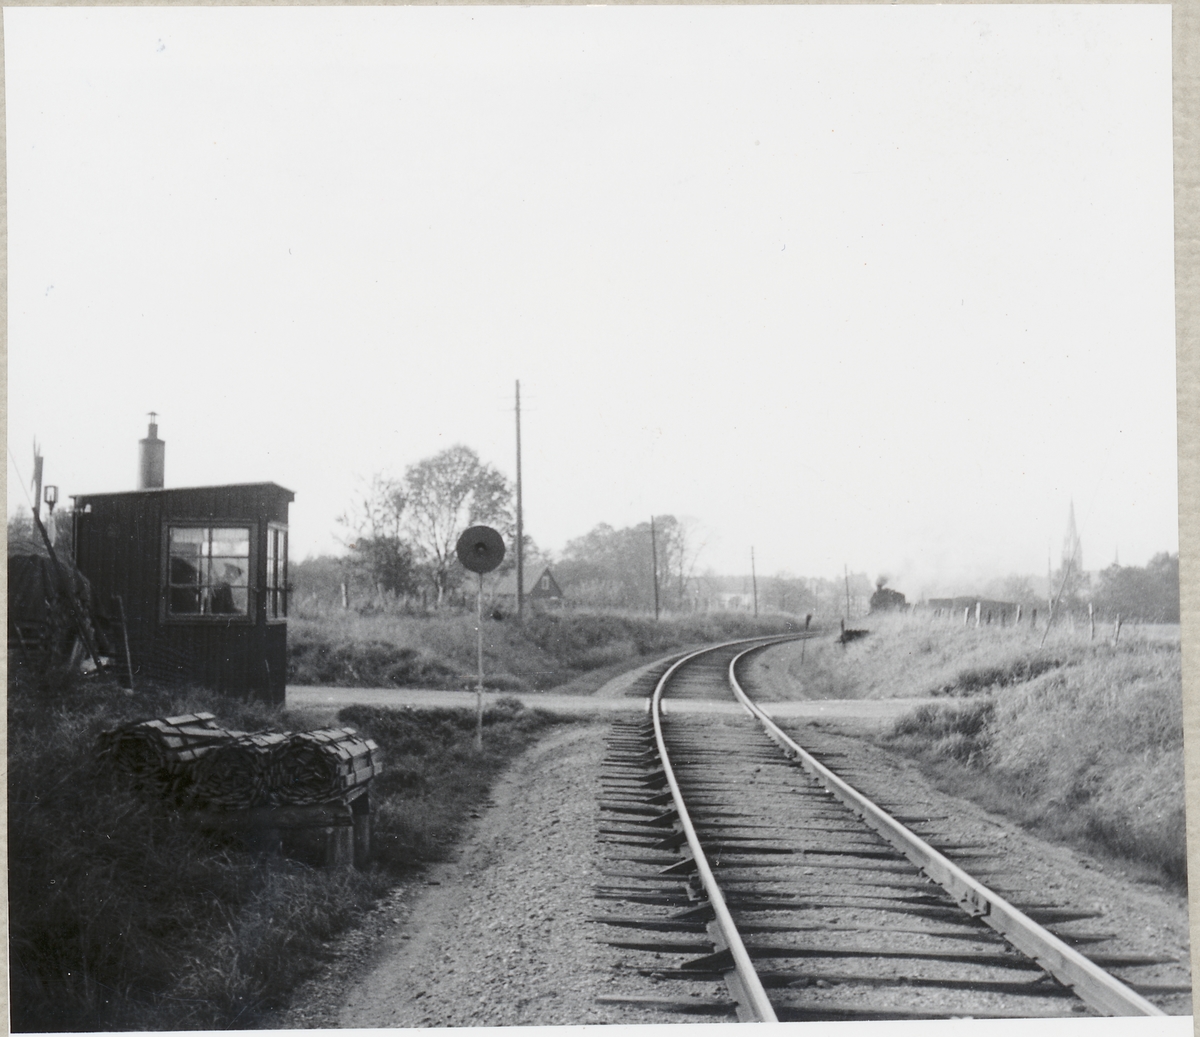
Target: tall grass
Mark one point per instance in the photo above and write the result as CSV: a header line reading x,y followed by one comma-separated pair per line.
x,y
124,915
915,655
381,649
1083,740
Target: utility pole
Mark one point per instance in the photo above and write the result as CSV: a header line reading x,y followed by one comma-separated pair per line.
x,y
520,520
37,481
754,582
1049,591
654,562
846,571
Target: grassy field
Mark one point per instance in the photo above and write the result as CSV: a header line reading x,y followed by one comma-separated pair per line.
x,y
548,650
1079,739
124,916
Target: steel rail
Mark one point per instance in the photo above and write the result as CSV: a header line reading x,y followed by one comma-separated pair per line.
x,y
1092,984
756,1005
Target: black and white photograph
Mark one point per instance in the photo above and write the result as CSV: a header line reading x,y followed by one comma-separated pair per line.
x,y
595,516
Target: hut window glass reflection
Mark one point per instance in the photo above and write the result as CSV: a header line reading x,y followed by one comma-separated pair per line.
x,y
276,573
208,570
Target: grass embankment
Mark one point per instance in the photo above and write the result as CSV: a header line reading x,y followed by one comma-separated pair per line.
x,y
1081,740
124,916
910,657
548,650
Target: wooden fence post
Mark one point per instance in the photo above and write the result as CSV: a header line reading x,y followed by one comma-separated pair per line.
x,y
1091,622
1117,630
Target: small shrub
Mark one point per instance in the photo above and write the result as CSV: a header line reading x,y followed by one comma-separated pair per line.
x,y
958,731
371,663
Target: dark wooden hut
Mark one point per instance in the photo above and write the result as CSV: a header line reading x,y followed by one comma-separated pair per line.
x,y
202,577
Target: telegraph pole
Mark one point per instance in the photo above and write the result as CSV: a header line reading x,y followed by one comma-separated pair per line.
x,y
654,562
37,482
754,582
520,519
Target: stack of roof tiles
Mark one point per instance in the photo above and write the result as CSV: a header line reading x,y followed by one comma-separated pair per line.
x,y
162,754
319,766
192,759
237,775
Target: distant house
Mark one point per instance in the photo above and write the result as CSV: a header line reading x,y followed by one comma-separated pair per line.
x,y
544,589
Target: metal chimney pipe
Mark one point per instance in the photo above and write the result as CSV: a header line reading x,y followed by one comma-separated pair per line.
x,y
151,456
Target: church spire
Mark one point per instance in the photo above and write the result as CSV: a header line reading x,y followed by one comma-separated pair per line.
x,y
1072,552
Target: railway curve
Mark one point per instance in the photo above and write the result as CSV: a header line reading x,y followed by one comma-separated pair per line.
x,y
743,868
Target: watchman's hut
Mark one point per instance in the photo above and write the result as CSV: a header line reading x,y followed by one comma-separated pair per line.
x,y
201,574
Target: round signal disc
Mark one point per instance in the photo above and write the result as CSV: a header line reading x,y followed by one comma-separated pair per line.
x,y
480,549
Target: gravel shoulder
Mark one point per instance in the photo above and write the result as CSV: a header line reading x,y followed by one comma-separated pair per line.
x,y
498,936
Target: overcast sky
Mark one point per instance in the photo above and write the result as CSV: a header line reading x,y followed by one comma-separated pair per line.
x,y
882,286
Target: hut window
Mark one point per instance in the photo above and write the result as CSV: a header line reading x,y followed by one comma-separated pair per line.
x,y
276,573
208,570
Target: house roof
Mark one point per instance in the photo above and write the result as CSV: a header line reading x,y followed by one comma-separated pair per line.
x,y
508,582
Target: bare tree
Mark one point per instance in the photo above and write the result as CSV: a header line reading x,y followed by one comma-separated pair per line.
x,y
445,494
374,526
679,548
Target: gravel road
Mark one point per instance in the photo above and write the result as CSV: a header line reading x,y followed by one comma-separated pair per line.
x,y
500,936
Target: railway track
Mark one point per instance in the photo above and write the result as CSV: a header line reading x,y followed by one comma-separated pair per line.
x,y
747,878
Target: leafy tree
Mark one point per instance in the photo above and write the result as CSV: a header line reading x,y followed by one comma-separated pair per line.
x,y
1150,594
610,566
378,550
445,494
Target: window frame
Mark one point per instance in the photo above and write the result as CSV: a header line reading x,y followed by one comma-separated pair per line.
x,y
250,616
275,599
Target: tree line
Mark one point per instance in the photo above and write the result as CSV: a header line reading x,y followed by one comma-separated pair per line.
x,y
400,535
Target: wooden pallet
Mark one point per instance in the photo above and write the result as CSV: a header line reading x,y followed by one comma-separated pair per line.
x,y
334,834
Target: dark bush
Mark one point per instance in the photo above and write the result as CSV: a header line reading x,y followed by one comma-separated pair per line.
x,y
984,678
369,664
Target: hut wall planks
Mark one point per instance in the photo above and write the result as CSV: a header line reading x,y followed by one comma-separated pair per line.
x,y
202,572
